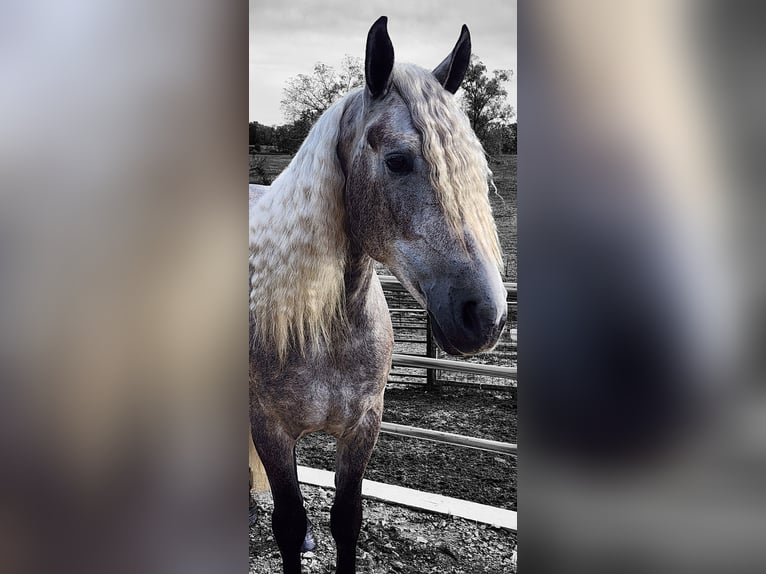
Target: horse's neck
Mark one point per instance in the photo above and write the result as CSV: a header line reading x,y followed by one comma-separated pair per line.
x,y
360,269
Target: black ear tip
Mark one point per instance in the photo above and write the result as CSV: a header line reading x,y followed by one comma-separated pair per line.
x,y
379,27
379,58
465,32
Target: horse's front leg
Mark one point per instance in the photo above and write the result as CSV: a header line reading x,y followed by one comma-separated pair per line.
x,y
289,521
354,450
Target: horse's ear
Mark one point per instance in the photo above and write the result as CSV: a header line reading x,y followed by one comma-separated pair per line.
x,y
451,71
379,58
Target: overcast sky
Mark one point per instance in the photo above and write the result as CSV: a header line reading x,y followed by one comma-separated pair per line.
x,y
287,37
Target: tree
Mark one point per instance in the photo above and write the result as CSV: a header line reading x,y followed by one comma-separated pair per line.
x,y
493,139
500,138
484,101
509,144
252,133
289,137
261,135
307,96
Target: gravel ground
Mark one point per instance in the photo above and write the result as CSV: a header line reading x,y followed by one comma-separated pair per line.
x,y
393,540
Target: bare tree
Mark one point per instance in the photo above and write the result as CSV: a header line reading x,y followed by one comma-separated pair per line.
x,y
307,96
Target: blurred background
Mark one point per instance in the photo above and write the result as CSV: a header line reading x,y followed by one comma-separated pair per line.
x,y
641,286
642,299
123,237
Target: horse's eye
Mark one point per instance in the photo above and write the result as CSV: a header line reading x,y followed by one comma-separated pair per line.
x,y
399,163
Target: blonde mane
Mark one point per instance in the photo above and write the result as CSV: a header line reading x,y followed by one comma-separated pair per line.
x,y
459,172
298,244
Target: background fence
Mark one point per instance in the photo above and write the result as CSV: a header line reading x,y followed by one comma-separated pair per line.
x,y
418,361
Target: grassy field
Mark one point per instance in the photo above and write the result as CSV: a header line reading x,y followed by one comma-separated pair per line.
x,y
264,168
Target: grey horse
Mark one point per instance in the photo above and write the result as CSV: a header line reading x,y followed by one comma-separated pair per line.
x,y
392,173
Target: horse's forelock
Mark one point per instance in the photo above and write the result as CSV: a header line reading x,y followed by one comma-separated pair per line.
x,y
458,169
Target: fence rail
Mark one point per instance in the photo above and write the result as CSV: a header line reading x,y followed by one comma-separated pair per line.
x,y
401,360
448,438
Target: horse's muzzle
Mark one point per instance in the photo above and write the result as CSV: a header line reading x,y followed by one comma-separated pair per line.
x,y
466,321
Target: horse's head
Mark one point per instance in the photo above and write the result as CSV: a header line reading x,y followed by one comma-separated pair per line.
x,y
417,192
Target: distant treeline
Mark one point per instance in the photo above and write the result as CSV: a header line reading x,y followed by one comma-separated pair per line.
x,y
287,138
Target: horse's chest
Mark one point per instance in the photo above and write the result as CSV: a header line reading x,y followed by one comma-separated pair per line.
x,y
330,391
324,396
347,400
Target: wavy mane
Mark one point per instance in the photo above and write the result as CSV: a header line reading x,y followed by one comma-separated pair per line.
x,y
458,165
298,244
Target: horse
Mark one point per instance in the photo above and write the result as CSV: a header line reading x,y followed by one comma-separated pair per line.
x,y
392,172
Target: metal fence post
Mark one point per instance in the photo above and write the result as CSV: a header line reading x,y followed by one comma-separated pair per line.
x,y
430,352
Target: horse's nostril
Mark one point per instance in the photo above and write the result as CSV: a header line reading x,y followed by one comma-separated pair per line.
x,y
470,316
